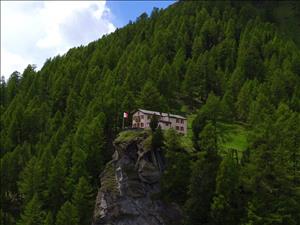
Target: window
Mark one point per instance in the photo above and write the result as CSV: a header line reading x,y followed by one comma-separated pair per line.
x,y
182,121
142,124
136,119
177,127
149,117
142,116
177,120
181,128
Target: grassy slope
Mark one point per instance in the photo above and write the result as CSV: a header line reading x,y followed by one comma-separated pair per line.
x,y
234,136
128,135
187,140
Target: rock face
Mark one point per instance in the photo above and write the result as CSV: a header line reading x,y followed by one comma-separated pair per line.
x,y
130,186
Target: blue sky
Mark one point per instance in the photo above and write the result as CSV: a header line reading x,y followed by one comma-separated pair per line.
x,y
130,10
32,31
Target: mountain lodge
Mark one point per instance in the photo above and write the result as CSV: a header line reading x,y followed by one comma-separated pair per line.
x,y
141,119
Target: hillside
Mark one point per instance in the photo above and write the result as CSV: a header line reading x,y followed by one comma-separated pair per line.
x,y
220,63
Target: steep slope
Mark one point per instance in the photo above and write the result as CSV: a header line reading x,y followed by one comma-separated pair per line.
x,y
58,124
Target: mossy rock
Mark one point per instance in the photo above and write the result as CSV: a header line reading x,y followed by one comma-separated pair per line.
x,y
147,143
129,135
108,179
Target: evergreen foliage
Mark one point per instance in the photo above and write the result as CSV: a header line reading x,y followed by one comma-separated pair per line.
x,y
223,61
33,213
67,215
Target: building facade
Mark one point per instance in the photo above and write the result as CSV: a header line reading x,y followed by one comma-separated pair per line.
x,y
141,119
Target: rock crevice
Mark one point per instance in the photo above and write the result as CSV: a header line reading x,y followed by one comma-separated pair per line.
x,y
129,184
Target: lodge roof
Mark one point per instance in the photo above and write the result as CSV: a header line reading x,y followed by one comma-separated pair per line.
x,y
160,114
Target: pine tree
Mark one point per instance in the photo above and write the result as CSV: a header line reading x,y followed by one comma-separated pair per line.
x,y
67,215
12,85
45,163
33,213
245,96
150,98
208,139
56,184
83,201
157,139
177,172
95,141
78,168
31,180
3,93
227,206
209,31
210,114
49,219
179,65
189,85
16,128
202,188
154,122
167,83
251,62
274,184
172,140
66,115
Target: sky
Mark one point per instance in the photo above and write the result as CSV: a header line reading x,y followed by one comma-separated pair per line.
x,y
32,31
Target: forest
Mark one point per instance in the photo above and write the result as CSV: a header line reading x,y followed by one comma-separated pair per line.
x,y
220,61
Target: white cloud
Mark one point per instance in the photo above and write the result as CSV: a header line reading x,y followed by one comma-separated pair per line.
x,y
12,62
34,31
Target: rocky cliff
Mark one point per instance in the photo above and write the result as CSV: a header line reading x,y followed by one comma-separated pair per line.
x,y
130,185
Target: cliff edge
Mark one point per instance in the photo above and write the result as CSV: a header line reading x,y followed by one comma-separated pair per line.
x,y
130,185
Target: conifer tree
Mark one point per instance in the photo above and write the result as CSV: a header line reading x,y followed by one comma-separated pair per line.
x,y
33,213
45,163
245,96
66,115
78,168
209,115
3,93
150,98
12,85
157,139
167,82
208,138
49,219
202,188
95,141
175,178
67,215
31,180
56,184
227,206
83,201
154,122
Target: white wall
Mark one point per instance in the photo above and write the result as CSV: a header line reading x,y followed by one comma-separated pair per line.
x,y
176,124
